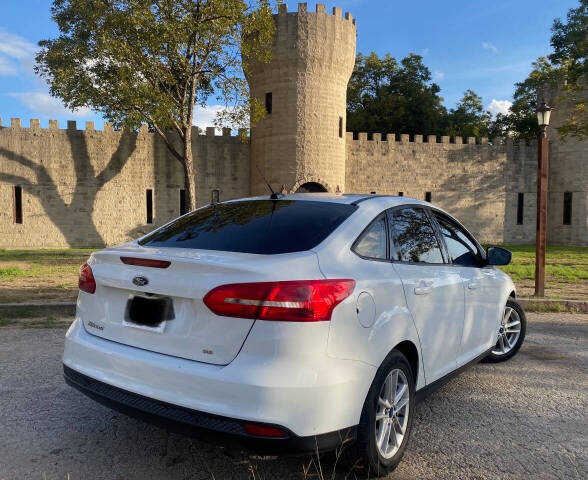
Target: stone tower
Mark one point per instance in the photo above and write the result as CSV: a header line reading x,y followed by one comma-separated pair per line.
x,y
301,141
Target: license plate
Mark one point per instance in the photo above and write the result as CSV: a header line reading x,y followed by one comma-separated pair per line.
x,y
148,313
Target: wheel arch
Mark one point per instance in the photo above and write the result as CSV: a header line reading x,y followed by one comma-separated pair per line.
x,y
410,351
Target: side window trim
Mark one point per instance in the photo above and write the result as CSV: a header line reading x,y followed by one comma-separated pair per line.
x,y
363,233
440,239
465,231
392,247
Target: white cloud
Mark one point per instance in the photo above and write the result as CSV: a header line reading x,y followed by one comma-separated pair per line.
x,y
426,51
16,54
489,46
45,104
205,116
498,106
438,75
15,46
7,67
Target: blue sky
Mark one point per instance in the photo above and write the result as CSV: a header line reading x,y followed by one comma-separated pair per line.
x,y
483,45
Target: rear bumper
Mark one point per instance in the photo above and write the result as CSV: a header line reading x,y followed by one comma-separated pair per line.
x,y
194,423
306,396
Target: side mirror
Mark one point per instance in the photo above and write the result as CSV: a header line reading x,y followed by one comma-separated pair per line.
x,y
498,256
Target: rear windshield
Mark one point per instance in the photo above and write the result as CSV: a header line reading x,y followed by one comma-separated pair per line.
x,y
257,226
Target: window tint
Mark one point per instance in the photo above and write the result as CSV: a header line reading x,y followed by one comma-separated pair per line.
x,y
462,251
372,243
413,236
258,226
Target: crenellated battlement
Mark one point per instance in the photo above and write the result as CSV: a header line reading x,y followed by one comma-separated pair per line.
x,y
72,125
388,138
320,8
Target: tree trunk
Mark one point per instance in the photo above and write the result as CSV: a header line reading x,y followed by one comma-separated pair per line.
x,y
189,171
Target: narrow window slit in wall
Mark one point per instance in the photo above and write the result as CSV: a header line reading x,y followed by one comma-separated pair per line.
x,y
520,208
340,127
183,209
427,196
567,208
401,194
215,196
17,204
268,102
149,203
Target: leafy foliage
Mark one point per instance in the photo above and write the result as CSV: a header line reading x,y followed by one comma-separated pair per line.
x,y
386,96
153,61
469,119
565,71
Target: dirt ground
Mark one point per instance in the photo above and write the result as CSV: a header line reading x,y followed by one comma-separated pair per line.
x,y
522,419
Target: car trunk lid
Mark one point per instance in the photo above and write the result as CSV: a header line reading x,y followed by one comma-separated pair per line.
x,y
189,330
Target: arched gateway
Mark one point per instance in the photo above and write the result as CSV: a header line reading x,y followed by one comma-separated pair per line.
x,y
310,187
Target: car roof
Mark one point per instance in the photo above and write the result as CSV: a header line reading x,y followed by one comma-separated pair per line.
x,y
345,198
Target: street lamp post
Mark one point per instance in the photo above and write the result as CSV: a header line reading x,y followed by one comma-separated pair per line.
x,y
543,114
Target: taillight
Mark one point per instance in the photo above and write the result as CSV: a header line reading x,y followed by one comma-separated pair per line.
x,y
86,282
291,301
145,262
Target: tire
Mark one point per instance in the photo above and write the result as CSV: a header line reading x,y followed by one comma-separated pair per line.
x,y
367,443
503,350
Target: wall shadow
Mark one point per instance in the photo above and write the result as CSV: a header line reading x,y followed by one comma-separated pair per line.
x,y
73,219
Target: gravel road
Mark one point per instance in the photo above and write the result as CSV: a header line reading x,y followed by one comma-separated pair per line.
x,y
527,418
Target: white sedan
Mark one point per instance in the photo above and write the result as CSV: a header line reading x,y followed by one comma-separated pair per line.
x,y
293,322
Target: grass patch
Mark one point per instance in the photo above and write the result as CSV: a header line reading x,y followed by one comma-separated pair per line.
x,y
48,322
36,322
566,271
55,252
50,275
9,273
540,307
6,322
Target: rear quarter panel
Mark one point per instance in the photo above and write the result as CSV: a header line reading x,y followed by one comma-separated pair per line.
x,y
366,341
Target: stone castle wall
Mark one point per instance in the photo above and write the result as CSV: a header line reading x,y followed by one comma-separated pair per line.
x,y
88,188
568,172
471,181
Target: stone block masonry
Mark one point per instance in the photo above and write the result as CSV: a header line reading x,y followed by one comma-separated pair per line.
x,y
89,188
73,188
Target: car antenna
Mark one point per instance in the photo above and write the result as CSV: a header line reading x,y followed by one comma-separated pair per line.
x,y
274,195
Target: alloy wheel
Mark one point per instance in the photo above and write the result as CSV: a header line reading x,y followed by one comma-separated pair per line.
x,y
508,332
392,412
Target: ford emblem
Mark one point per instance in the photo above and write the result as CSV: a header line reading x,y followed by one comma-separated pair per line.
x,y
140,281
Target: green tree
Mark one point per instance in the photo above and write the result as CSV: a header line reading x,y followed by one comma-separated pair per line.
x,y
570,55
565,71
468,118
385,96
153,61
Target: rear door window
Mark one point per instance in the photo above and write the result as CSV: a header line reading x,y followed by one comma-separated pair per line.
x,y
413,236
256,226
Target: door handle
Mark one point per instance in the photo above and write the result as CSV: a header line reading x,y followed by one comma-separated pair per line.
x,y
473,285
422,290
